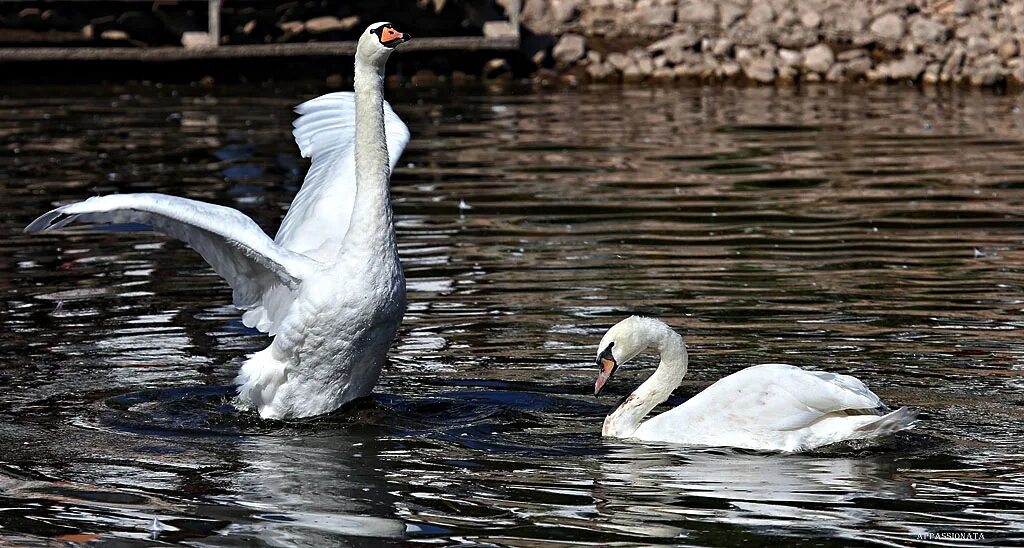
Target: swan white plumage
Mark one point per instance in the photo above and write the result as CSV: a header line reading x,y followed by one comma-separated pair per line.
x,y
768,407
329,288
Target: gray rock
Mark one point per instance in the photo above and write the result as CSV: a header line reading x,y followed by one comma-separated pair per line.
x,y
619,61
1008,48
696,12
987,71
570,48
977,46
836,73
852,54
632,74
908,68
760,70
964,7
730,69
658,16
593,57
931,73
790,58
327,23
810,19
645,65
562,11
927,31
857,67
601,72
951,68
818,58
676,42
888,28
722,47
663,75
729,12
760,14
787,75
795,36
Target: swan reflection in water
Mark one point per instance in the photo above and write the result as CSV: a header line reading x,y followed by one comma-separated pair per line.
x,y
313,490
663,484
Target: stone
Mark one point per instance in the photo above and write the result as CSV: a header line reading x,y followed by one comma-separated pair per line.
x,y
836,73
761,14
658,16
987,71
907,68
601,72
1008,49
196,40
329,23
760,70
795,36
663,74
562,11
888,28
810,19
927,31
645,65
499,29
812,77
818,58
722,47
730,69
931,73
852,54
790,58
858,67
570,48
114,35
696,12
786,75
632,74
593,57
292,27
951,68
964,7
619,61
676,42
728,13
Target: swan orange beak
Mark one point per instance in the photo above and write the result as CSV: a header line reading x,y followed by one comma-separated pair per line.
x,y
391,37
608,367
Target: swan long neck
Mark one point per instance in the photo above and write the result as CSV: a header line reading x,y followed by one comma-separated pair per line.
x,y
371,226
626,418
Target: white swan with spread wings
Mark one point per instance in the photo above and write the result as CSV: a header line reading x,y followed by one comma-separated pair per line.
x,y
329,287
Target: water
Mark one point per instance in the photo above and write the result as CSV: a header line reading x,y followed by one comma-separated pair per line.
x,y
874,232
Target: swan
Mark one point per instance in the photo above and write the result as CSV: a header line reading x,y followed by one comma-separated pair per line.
x,y
768,407
329,287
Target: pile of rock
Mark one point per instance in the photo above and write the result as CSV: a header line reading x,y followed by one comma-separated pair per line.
x,y
975,42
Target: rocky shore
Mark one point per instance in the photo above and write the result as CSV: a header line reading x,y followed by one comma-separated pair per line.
x,y
934,42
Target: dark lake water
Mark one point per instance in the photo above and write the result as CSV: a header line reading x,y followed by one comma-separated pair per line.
x,y
873,232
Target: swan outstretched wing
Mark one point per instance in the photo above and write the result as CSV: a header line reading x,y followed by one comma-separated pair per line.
x,y
231,242
325,131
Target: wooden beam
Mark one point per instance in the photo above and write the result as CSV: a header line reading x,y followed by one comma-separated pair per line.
x,y
159,54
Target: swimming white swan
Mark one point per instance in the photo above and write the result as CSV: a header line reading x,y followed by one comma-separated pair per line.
x,y
769,407
329,288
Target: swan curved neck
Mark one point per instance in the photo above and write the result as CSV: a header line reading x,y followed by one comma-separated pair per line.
x,y
371,225
623,421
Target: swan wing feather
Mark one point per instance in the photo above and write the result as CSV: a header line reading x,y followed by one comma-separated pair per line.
x,y
768,398
325,131
234,245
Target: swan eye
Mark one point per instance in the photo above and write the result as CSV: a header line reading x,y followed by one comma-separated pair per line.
x,y
606,356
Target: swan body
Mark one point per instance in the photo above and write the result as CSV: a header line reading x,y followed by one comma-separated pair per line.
x,y
329,287
768,407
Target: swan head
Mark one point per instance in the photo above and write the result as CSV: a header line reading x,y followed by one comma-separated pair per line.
x,y
379,40
622,343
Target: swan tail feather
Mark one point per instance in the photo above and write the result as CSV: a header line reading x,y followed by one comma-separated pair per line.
x,y
900,419
258,381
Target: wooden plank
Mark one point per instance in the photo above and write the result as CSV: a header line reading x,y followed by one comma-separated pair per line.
x,y
158,54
